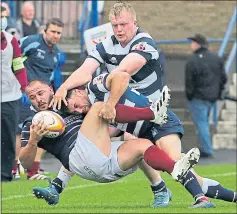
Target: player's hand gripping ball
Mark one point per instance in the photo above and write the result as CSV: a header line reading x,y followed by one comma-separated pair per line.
x,y
55,123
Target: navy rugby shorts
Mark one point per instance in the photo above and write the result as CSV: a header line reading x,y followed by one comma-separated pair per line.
x,y
172,126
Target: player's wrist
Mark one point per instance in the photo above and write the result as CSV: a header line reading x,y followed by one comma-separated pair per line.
x,y
112,103
64,86
33,142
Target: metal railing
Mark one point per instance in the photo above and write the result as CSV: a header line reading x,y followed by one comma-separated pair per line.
x,y
230,58
186,41
84,24
88,19
224,42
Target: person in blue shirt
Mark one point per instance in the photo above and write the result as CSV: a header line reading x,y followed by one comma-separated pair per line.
x,y
41,59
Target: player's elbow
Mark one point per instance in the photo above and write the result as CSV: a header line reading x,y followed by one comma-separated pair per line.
x,y
25,162
88,76
123,76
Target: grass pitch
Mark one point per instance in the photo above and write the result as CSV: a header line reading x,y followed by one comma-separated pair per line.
x,y
129,195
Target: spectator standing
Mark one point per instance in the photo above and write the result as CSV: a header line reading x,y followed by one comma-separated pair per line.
x,y
205,79
11,24
27,24
13,83
42,57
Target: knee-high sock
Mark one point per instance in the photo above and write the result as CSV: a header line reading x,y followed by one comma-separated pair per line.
x,y
158,159
191,184
61,180
213,189
126,114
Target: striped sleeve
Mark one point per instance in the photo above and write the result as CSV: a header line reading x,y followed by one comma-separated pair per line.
x,y
98,53
29,44
145,46
25,134
98,84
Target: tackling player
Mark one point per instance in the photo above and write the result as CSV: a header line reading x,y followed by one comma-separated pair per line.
x,y
132,51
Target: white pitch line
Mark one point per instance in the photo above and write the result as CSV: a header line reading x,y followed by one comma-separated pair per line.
x,y
101,184
221,175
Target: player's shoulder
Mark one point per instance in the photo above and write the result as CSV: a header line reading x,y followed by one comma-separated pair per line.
x,y
34,37
32,40
143,38
109,41
142,34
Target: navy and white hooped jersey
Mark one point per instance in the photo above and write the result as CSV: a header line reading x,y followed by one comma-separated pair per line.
x,y
97,91
149,80
60,146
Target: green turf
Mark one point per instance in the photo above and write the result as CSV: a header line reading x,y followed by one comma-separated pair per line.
x,y
129,195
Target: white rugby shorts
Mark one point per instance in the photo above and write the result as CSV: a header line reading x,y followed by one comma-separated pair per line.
x,y
87,161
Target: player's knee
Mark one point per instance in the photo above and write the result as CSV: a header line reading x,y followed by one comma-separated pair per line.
x,y
171,144
143,145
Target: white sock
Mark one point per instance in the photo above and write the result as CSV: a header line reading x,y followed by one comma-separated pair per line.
x,y
64,177
206,182
156,183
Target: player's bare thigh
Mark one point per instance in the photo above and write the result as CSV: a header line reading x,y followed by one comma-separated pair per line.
x,y
96,130
131,152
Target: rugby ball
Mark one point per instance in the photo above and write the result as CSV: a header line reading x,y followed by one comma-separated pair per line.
x,y
55,123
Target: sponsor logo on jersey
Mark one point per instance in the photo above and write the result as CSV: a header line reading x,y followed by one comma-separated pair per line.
x,y
98,80
141,46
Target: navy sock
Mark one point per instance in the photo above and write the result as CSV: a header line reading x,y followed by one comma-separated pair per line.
x,y
161,187
58,184
213,189
191,184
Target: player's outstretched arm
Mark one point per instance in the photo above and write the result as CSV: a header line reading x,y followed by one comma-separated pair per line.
x,y
131,63
28,153
117,83
79,77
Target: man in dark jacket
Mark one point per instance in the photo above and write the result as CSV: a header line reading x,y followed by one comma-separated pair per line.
x,y
205,78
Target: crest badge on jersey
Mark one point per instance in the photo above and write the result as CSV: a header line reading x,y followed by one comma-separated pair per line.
x,y
113,60
141,46
40,53
98,80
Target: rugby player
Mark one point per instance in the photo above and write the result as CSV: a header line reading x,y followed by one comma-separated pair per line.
x,y
98,91
132,51
90,154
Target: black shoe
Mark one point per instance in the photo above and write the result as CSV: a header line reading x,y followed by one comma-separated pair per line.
x,y
6,179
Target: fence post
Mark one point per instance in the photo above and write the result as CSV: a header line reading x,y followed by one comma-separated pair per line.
x,y
221,52
94,14
227,34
